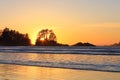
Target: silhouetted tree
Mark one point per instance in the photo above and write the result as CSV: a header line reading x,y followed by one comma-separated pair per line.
x,y
46,38
14,38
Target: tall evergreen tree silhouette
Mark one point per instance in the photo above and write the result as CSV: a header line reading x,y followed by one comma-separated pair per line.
x,y
14,38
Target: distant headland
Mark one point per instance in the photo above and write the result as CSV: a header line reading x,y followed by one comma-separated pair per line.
x,y
83,44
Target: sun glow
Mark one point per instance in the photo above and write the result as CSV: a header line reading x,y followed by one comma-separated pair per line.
x,y
71,20
42,39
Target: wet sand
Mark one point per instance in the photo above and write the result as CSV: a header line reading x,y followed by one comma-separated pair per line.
x,y
18,72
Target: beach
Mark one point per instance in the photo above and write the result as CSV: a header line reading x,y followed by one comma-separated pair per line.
x,y
59,40
19,72
59,63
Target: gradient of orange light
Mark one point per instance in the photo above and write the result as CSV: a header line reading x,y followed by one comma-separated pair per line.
x,y
69,28
67,34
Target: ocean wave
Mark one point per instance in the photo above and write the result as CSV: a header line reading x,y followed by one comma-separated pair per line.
x,y
102,59
63,50
109,68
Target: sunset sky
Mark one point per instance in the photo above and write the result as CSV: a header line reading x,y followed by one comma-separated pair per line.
x,y
94,21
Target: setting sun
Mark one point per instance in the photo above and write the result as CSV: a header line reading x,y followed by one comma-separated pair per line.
x,y
59,39
93,21
42,39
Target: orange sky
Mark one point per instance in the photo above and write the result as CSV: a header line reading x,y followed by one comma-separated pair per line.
x,y
97,22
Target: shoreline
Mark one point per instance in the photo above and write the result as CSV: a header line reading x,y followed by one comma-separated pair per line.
x,y
60,67
20,72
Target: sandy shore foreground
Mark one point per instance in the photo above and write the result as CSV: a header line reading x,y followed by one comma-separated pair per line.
x,y
18,72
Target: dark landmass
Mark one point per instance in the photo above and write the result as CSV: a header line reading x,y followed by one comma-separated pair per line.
x,y
45,37
83,44
14,38
49,43
116,44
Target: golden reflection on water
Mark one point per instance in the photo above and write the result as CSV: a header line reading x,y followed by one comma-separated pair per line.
x,y
81,59
90,59
17,72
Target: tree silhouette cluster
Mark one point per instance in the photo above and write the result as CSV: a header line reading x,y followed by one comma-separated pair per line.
x,y
14,38
46,38
46,35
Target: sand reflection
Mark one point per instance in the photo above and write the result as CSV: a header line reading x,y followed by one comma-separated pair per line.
x,y
17,72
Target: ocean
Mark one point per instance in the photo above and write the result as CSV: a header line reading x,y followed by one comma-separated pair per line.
x,y
78,58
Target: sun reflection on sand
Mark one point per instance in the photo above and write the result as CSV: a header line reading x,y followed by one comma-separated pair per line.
x,y
16,72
